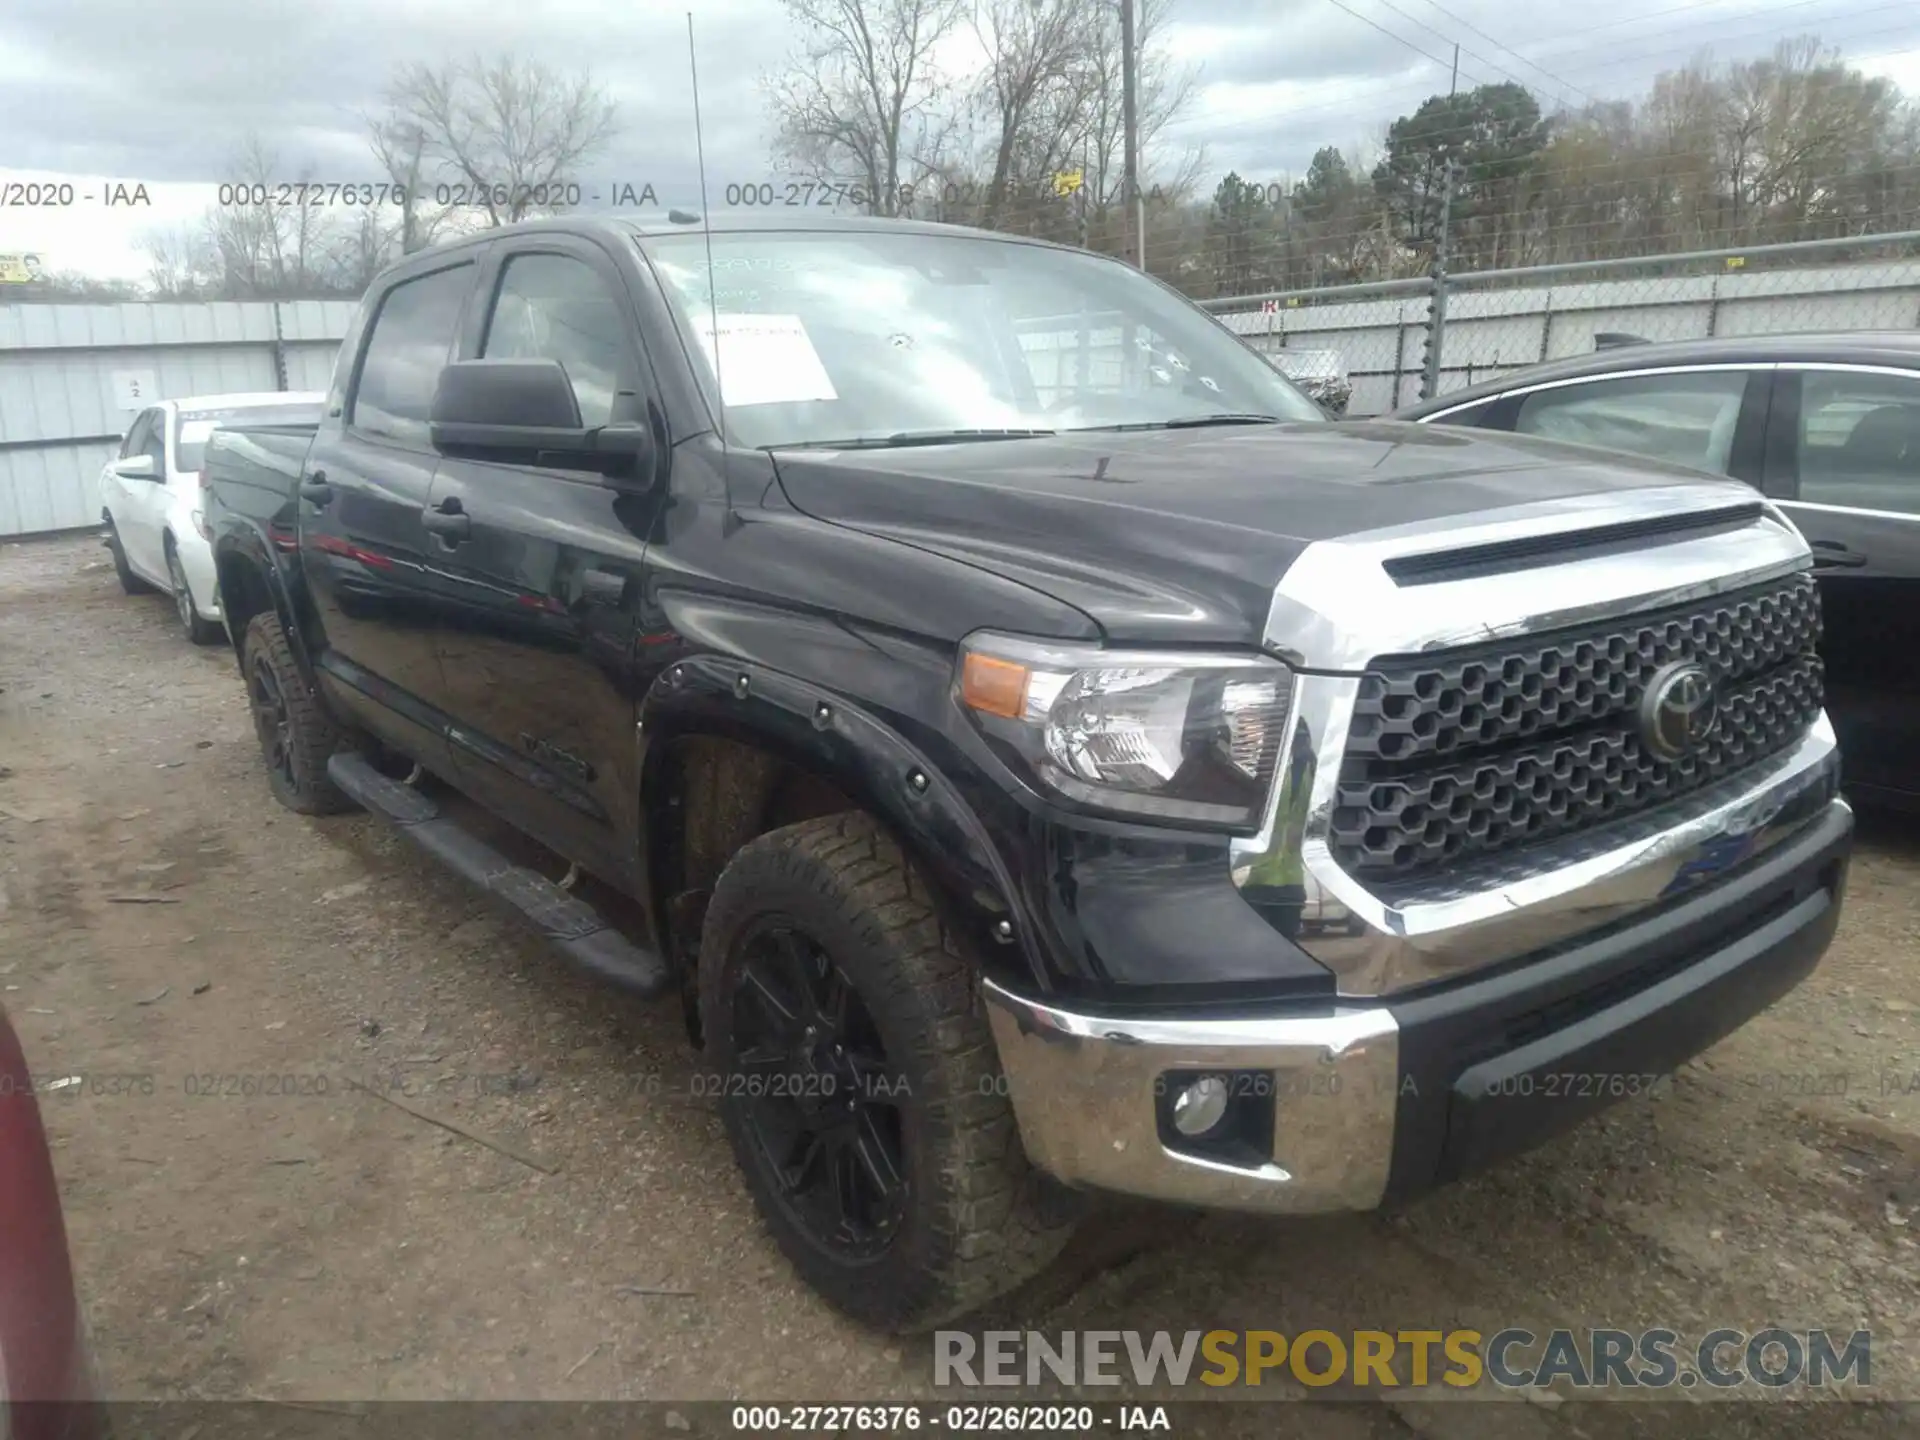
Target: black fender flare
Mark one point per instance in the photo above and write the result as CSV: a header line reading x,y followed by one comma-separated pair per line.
x,y
259,562
877,767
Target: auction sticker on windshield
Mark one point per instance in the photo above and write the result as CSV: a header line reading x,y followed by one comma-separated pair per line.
x,y
765,360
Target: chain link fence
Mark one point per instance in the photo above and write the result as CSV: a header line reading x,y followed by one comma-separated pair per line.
x,y
1399,341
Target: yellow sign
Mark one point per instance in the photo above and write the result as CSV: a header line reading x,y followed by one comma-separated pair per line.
x,y
21,270
1068,182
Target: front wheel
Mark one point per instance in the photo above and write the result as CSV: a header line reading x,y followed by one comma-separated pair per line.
x,y
858,1083
199,631
296,734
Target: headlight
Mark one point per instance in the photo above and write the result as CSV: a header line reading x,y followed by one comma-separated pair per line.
x,y
1184,737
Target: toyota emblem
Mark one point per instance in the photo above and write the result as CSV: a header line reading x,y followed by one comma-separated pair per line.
x,y
1677,710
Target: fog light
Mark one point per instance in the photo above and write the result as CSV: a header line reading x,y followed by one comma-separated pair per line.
x,y
1200,1106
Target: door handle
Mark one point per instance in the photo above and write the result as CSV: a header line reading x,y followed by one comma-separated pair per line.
x,y
314,488
1831,555
448,520
602,586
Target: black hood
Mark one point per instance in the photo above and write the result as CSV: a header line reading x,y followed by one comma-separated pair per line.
x,y
1181,535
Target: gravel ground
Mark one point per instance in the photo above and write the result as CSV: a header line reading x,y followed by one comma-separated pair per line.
x,y
171,934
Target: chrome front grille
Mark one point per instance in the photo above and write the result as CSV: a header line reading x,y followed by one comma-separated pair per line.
x,y
1473,751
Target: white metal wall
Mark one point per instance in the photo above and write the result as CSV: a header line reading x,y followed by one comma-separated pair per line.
x,y
62,394
1490,331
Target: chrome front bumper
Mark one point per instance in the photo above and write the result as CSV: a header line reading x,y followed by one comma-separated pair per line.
x,y
1086,1091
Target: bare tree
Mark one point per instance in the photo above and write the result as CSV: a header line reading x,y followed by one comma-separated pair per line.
x,y
1798,126
507,132
399,144
1034,94
858,100
264,241
181,261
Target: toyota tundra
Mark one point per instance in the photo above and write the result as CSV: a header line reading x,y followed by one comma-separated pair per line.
x,y
1047,754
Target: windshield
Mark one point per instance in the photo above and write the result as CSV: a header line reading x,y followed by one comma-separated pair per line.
x,y
844,336
192,427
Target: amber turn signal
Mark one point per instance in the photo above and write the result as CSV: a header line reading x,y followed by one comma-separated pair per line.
x,y
993,686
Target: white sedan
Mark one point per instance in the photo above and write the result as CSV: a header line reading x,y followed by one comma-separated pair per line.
x,y
150,496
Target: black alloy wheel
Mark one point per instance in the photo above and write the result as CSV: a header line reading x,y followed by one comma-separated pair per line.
x,y
271,721
816,1093
859,1084
295,731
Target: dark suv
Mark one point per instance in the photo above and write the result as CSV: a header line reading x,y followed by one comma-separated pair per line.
x,y
1048,756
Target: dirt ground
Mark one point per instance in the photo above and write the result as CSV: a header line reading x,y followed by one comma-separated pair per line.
x,y
170,934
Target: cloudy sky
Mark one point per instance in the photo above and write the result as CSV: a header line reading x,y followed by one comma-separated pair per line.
x,y
106,91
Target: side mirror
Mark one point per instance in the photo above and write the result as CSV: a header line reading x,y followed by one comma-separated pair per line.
x,y
525,410
136,467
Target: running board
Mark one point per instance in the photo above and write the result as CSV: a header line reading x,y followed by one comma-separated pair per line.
x,y
568,922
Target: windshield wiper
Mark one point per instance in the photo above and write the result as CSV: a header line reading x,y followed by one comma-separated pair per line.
x,y
1193,422
902,438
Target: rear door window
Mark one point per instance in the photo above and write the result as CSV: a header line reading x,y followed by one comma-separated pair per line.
x,y
1860,440
1686,418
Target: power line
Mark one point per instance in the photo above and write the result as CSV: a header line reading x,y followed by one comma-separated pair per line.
x,y
1845,14
1657,14
1460,49
1342,5
1563,83
1645,56
1605,60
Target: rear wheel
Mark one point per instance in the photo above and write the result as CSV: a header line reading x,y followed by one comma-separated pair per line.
x,y
129,582
858,1081
199,631
296,734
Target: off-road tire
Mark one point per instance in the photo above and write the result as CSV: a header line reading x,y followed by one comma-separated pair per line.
x,y
979,1219
299,774
198,630
131,583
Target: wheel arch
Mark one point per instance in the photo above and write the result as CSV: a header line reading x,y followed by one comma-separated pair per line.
x,y
250,584
734,749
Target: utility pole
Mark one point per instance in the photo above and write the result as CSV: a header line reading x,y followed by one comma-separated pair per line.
x,y
1130,122
1453,85
1080,196
1437,297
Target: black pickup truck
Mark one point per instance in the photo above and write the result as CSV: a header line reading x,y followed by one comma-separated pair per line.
x,y
1049,756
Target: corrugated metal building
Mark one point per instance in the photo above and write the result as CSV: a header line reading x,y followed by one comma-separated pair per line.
x,y
72,377
1495,329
